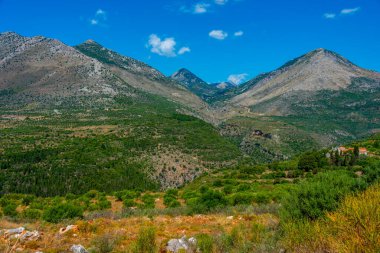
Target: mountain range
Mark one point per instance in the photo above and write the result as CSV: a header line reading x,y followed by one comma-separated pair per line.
x,y
180,125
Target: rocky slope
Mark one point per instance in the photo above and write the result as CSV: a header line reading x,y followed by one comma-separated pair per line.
x,y
303,77
39,71
142,76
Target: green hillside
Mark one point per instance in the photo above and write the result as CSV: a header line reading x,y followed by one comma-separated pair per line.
x,y
55,152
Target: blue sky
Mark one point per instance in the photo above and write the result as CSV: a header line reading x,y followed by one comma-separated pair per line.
x,y
216,39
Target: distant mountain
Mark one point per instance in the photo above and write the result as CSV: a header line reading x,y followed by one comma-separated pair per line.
x,y
302,79
194,83
43,71
316,100
141,75
187,78
199,87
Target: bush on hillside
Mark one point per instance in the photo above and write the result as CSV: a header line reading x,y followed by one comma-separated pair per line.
x,y
317,195
146,241
312,160
241,198
31,214
205,243
208,201
10,210
170,198
61,212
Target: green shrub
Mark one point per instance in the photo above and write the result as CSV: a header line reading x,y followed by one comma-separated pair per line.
x,y
10,210
32,214
103,203
170,201
294,173
223,242
38,204
205,243
61,212
148,200
188,194
92,194
262,198
241,198
243,187
228,189
27,199
71,196
105,243
129,203
208,201
173,192
146,241
170,198
311,160
217,183
313,197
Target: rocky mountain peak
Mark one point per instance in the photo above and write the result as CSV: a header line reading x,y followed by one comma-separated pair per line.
x,y
92,43
186,77
10,34
315,71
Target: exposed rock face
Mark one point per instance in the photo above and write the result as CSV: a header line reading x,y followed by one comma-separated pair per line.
x,y
21,234
78,249
182,245
187,78
43,71
38,69
97,51
142,76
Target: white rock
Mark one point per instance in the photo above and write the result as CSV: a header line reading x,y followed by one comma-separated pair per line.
x,y
78,249
188,245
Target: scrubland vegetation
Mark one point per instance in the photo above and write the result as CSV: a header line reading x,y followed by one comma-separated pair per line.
x,y
74,152
309,203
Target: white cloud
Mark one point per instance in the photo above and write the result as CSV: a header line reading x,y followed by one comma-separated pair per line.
x,y
329,15
237,78
238,33
221,2
163,47
94,22
349,11
218,34
200,8
100,12
99,18
184,50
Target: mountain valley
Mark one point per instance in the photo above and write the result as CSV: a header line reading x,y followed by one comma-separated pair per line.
x,y
317,100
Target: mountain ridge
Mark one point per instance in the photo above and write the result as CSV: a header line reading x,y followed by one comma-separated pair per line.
x,y
317,70
206,91
43,71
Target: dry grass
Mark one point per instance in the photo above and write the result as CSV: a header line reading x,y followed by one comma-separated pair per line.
x,y
126,230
